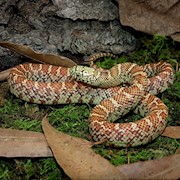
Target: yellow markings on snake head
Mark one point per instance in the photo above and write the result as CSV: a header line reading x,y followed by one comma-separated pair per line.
x,y
82,69
82,73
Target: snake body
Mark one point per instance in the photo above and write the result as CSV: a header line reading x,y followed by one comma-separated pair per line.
x,y
48,84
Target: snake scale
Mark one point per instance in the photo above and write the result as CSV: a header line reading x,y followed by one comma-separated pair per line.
x,y
48,84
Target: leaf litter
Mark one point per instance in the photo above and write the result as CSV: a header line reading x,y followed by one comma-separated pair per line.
x,y
77,158
171,162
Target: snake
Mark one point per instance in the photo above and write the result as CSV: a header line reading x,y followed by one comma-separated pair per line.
x,y
50,84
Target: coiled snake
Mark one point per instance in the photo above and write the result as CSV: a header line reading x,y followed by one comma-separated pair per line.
x,y
48,84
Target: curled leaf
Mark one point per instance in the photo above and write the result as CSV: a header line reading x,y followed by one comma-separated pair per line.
x,y
77,158
39,57
4,74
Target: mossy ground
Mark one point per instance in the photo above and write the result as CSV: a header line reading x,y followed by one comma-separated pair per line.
x,y
72,119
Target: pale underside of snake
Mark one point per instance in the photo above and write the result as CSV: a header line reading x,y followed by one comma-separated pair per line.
x,y
48,84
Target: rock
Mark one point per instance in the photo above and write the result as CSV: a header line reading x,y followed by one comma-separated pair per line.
x,y
62,26
7,9
104,10
8,59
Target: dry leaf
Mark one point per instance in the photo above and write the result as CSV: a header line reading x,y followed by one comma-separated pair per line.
x,y
172,132
77,158
4,74
165,168
178,151
19,143
39,57
152,17
176,37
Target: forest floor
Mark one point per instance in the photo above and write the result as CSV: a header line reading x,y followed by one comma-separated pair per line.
x,y
73,119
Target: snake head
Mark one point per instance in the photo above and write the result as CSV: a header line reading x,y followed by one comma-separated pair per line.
x,y
82,73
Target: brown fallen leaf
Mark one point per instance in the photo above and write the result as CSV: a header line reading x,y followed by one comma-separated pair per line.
x,y
178,151
176,36
19,143
172,132
77,158
156,17
39,57
165,168
4,74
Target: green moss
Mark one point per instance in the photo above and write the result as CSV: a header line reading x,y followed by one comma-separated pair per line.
x,y
159,148
20,115
73,119
151,49
37,168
